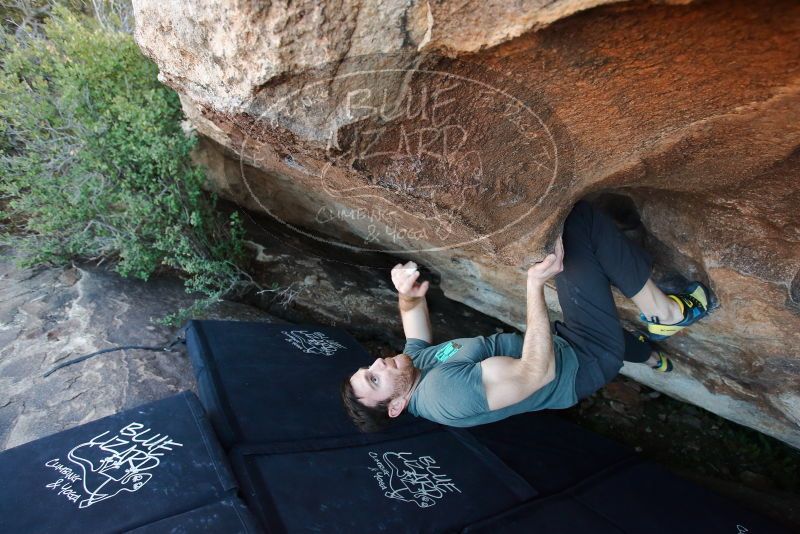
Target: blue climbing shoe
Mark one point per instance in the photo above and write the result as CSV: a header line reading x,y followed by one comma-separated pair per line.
x,y
693,302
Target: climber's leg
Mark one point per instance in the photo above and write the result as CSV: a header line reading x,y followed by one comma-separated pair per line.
x,y
597,255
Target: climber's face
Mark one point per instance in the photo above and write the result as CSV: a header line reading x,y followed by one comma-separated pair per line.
x,y
384,380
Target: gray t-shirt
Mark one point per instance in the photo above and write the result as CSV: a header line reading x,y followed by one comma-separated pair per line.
x,y
451,389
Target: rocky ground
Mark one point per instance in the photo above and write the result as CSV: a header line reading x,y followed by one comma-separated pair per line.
x,y
48,315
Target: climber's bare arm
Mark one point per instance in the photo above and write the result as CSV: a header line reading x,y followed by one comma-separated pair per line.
x,y
413,307
509,380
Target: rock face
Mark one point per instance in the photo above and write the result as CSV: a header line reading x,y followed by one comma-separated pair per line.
x,y
460,134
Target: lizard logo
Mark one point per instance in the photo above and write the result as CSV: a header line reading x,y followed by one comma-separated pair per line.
x,y
312,342
110,464
410,479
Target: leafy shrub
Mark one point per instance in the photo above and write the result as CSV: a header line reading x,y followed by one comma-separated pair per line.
x,y
95,164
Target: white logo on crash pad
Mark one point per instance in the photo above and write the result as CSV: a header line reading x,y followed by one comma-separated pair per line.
x,y
109,464
312,342
410,479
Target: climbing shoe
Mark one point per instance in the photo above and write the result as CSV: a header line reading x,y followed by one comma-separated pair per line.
x,y
693,303
664,364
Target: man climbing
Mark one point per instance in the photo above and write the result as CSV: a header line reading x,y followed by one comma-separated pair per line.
x,y
472,381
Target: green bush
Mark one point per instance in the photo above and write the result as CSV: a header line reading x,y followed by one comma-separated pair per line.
x,y
95,164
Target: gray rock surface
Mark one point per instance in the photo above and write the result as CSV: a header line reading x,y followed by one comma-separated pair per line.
x,y
48,315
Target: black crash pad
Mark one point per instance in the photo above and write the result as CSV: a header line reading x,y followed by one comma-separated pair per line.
x,y
550,452
302,466
229,516
263,383
555,514
435,481
626,498
118,473
639,497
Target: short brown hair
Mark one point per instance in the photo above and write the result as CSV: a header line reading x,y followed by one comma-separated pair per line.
x,y
366,418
